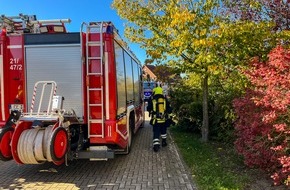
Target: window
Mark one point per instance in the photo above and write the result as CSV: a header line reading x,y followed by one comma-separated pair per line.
x,y
121,83
137,94
129,77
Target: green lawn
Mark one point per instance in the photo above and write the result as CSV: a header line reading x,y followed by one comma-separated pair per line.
x,y
213,166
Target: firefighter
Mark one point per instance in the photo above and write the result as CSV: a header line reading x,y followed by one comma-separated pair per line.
x,y
159,110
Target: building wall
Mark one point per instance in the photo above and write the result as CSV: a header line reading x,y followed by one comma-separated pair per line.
x,y
147,71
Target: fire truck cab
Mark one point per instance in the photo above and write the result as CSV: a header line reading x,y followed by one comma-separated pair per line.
x,y
66,95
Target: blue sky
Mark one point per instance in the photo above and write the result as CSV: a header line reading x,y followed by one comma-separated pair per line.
x,y
77,10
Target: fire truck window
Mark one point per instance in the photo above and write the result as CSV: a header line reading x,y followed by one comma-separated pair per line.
x,y
129,77
121,85
136,83
43,29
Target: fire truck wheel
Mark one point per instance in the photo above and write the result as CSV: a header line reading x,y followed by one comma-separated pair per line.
x,y
58,144
129,141
130,137
142,124
5,139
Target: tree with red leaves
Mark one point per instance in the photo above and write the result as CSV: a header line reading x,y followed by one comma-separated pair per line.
x,y
263,124
276,11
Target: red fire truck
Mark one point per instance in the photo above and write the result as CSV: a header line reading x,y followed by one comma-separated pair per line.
x,y
66,95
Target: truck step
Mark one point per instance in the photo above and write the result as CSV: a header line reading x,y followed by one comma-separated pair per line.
x,y
95,153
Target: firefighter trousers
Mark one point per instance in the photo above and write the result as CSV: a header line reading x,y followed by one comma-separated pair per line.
x,y
159,129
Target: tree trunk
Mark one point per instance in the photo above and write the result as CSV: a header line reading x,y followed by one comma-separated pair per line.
x,y
205,119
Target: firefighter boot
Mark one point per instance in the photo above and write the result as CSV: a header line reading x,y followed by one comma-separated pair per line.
x,y
164,143
156,147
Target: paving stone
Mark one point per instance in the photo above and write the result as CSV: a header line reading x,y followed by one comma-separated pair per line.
x,y
142,169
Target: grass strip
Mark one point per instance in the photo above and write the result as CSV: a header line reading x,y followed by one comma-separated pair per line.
x,y
213,166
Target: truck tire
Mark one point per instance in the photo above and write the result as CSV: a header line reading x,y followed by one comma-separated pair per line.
x,y
131,134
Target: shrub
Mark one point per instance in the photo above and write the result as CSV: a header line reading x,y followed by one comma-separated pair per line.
x,y
187,106
263,124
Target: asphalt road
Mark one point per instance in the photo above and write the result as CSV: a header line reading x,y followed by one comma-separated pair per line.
x,y
141,169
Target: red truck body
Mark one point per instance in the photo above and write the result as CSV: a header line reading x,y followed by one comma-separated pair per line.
x,y
77,94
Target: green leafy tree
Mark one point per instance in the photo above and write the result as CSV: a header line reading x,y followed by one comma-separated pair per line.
x,y
195,34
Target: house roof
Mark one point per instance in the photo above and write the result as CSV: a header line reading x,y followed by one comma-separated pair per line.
x,y
151,67
165,74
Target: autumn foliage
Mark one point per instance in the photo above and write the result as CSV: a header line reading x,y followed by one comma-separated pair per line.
x,y
263,124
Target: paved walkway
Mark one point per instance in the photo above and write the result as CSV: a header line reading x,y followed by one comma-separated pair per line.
x,y
142,169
